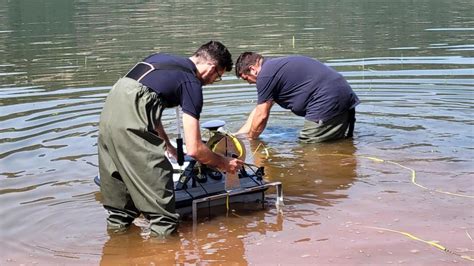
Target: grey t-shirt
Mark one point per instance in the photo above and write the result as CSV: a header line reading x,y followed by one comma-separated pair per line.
x,y
306,86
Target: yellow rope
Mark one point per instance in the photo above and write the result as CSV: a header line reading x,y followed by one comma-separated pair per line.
x,y
264,148
413,173
413,180
432,243
375,159
227,201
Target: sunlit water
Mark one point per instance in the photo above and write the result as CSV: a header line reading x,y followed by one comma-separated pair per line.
x,y
409,168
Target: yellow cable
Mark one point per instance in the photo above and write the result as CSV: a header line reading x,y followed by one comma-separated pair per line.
x,y
432,243
413,180
227,202
237,144
264,148
413,173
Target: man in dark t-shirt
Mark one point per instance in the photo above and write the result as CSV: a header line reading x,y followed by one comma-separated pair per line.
x,y
136,177
307,87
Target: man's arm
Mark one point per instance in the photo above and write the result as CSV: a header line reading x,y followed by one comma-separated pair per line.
x,y
199,151
257,120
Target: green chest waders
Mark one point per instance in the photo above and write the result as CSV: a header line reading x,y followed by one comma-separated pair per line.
x,y
136,176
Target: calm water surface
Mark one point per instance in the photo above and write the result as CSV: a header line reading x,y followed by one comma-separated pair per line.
x,y
404,180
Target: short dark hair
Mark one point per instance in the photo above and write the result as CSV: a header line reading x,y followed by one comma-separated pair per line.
x,y
215,51
245,60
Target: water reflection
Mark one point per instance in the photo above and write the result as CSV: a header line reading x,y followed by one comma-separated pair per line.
x,y
221,236
413,71
314,176
219,240
61,44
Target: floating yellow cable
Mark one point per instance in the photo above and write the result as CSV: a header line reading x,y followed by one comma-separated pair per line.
x,y
432,243
413,173
413,180
264,148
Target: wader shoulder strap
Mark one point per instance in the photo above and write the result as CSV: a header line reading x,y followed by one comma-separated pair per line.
x,y
141,69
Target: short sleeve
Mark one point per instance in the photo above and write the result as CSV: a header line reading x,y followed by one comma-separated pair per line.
x,y
265,88
191,99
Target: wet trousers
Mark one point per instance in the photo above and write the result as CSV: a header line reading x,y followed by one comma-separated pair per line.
x,y
136,177
338,127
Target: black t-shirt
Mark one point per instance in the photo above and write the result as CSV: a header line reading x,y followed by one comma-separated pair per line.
x,y
306,86
176,86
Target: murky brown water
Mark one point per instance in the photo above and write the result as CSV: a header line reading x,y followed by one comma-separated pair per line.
x,y
411,63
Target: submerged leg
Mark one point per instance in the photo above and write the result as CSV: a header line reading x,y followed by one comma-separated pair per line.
x,y
128,121
333,129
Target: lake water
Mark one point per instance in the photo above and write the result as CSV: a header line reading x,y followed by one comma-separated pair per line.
x,y
404,180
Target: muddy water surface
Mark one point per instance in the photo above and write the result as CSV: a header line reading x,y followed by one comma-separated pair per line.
x,y
398,193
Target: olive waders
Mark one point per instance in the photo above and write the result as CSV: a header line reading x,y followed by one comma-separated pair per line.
x,y
338,127
136,177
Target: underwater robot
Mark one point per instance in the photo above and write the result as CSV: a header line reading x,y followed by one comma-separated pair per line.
x,y
198,186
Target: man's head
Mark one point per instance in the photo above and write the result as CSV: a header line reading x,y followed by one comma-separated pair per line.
x,y
212,59
248,66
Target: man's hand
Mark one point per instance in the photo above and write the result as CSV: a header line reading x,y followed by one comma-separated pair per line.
x,y
199,151
233,165
171,150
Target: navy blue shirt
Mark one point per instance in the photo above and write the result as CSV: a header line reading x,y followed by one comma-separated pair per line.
x,y
306,86
176,87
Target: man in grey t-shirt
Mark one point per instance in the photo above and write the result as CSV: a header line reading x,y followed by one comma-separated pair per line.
x,y
307,87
